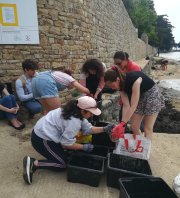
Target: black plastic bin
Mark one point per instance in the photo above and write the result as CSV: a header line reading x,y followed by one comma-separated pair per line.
x,y
98,151
85,169
145,188
102,139
120,166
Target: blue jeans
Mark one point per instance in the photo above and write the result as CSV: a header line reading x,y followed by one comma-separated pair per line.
x,y
8,102
33,106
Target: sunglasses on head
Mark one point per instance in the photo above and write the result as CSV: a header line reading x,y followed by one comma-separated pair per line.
x,y
119,64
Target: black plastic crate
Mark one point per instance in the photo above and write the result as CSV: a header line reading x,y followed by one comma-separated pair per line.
x,y
98,151
120,166
145,188
85,169
102,139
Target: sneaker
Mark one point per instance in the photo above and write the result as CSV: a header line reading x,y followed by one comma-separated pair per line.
x,y
29,169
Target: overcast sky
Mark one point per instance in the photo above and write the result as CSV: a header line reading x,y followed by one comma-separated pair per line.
x,y
172,9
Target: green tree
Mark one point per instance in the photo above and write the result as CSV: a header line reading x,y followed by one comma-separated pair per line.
x,y
144,17
164,31
179,45
175,45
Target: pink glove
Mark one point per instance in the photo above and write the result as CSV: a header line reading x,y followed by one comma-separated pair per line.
x,y
118,131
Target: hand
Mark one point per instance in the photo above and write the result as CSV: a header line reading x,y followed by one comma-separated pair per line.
x,y
13,110
88,147
118,131
17,107
95,96
87,91
108,129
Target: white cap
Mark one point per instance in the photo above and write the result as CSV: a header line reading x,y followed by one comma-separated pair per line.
x,y
89,104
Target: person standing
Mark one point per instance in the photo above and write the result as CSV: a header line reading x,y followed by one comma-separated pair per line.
x,y
141,99
24,88
92,77
46,86
164,63
123,65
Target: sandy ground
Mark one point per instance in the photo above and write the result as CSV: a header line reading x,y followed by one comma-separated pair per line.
x,y
172,72
164,162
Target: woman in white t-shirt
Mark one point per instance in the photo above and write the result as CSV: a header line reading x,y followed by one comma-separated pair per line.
x,y
57,131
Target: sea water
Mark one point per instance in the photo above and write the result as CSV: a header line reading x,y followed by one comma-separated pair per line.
x,y
171,55
171,83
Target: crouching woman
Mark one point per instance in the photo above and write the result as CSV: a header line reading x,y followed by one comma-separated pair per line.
x,y
57,131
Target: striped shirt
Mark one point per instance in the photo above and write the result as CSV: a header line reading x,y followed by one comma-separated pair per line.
x,y
62,78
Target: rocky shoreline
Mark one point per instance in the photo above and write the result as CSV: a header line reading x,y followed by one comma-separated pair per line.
x,y
168,120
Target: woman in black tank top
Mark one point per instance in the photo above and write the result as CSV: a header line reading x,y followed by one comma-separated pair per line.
x,y
141,99
92,77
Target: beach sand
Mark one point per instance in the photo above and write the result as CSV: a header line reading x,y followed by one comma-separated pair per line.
x,y
165,158
164,162
172,72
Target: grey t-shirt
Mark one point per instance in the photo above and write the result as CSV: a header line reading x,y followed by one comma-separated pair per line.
x,y
54,127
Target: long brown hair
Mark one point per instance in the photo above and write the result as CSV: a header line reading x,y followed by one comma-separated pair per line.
x,y
111,75
93,64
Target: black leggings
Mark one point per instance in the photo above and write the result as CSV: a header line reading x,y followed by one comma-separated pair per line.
x,y
53,152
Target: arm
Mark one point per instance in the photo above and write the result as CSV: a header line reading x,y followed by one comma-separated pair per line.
x,y
5,109
125,102
75,146
82,79
128,111
5,92
20,91
100,87
87,128
95,130
79,87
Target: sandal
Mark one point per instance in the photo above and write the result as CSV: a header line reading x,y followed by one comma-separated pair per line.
x,y
17,128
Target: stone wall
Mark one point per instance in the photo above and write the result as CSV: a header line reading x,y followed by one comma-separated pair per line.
x,y
72,31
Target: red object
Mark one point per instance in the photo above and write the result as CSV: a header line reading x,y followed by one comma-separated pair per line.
x,y
132,66
118,131
114,67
